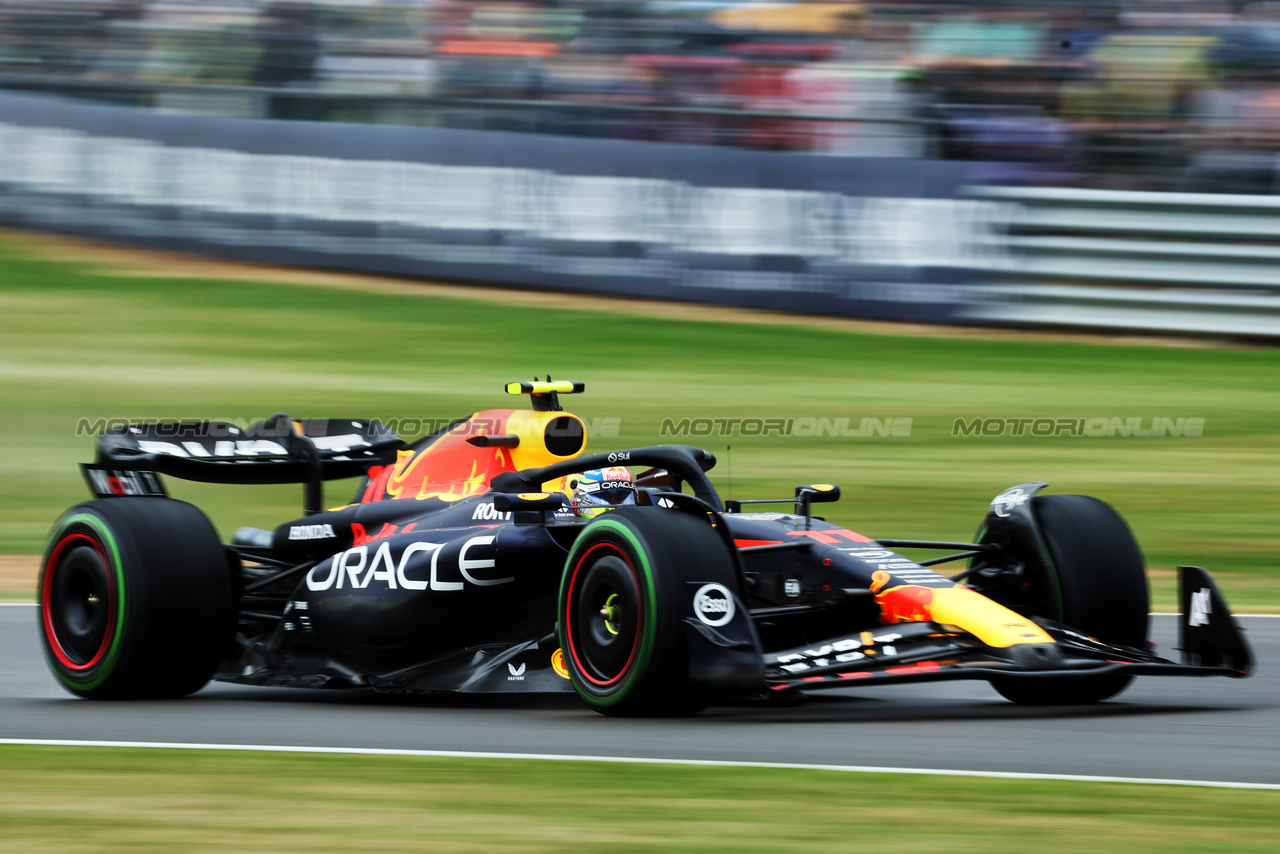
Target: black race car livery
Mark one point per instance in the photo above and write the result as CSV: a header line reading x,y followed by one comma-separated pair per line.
x,y
460,567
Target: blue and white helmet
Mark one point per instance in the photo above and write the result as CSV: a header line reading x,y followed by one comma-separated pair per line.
x,y
599,490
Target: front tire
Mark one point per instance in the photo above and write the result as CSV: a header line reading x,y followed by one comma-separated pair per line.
x,y
135,599
1096,584
622,605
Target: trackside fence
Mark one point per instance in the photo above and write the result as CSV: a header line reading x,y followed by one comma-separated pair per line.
x,y
1168,262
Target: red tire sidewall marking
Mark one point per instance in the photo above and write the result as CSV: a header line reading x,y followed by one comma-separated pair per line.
x,y
46,613
568,610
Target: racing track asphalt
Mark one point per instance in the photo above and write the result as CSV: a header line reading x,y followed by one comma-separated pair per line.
x,y
1172,727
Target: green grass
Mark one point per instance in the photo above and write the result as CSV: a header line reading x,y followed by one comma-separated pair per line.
x,y
85,800
78,345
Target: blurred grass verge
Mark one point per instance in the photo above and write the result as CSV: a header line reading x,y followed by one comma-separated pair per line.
x,y
96,799
78,346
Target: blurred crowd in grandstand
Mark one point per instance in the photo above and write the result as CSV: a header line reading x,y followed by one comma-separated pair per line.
x,y
1139,94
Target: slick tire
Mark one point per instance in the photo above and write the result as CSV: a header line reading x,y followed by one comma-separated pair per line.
x,y
622,606
1097,586
136,599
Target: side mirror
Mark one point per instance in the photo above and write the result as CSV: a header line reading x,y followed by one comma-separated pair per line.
x,y
817,493
820,493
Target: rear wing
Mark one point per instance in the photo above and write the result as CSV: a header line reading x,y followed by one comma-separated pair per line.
x,y
277,450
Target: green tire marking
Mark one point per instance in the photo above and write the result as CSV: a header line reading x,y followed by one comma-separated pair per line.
x,y
650,619
108,662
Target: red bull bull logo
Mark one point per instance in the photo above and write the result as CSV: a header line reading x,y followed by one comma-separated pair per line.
x,y
904,603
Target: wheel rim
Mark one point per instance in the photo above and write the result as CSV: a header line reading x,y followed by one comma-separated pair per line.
x,y
604,614
78,601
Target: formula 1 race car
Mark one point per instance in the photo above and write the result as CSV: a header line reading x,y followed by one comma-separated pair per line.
x,y
460,567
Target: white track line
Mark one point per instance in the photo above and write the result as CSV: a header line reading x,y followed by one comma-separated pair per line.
x,y
634,760
1176,614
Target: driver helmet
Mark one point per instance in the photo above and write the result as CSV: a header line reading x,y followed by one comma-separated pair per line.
x,y
599,490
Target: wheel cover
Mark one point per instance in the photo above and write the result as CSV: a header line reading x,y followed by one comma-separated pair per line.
x,y
79,603
604,612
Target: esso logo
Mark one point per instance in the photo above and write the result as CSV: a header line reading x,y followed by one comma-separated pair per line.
x,y
713,603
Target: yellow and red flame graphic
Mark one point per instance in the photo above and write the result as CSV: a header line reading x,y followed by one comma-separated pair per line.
x,y
968,610
451,468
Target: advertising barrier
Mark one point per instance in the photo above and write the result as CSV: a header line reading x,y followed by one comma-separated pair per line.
x,y
866,237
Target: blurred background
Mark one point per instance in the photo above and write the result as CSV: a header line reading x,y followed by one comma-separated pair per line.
x,y
1117,94
1108,164
1107,167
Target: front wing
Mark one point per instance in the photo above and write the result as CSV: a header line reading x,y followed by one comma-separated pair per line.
x,y
1211,643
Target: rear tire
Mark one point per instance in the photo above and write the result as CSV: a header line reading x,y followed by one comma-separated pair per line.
x,y
136,599
622,606
1097,585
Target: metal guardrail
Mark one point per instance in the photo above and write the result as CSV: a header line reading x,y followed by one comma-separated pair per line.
x,y
1169,262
